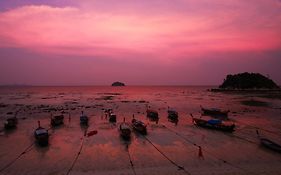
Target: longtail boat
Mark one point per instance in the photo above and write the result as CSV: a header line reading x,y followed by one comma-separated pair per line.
x,y
41,135
216,112
112,118
139,126
11,123
213,124
125,130
84,119
57,120
267,143
152,115
172,114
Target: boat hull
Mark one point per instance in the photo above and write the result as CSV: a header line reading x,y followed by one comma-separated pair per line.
x,y
112,118
84,120
125,131
270,145
152,115
221,127
139,127
11,123
42,138
57,120
173,117
215,113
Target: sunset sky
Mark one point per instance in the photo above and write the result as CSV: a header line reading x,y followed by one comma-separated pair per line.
x,y
139,42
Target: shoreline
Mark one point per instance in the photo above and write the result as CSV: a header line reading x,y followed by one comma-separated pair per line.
x,y
245,90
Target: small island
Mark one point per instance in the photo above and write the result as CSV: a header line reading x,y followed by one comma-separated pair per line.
x,y
117,83
247,82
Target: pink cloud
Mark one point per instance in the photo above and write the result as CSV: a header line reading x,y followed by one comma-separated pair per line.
x,y
231,26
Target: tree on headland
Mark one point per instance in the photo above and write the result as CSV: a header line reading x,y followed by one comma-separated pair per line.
x,y
248,81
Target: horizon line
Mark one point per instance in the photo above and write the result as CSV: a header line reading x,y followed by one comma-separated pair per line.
x,y
19,85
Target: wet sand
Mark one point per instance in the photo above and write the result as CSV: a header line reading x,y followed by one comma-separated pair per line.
x,y
160,152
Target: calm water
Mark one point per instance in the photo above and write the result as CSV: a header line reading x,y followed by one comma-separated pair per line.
x,y
107,153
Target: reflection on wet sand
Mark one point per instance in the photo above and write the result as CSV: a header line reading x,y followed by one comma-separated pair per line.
x,y
173,145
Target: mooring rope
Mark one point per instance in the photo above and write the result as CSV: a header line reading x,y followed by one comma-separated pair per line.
x,y
29,148
26,150
259,128
130,159
241,138
196,145
227,162
171,161
78,154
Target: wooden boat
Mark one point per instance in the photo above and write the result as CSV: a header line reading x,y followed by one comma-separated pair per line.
x,y
84,119
213,124
152,114
125,130
41,135
215,112
112,118
57,120
269,144
172,115
108,112
11,123
139,126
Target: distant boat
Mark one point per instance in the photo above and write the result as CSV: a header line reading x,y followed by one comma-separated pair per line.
x,y
269,144
11,123
57,120
41,135
125,130
152,114
139,126
172,114
112,118
84,119
215,112
108,111
213,124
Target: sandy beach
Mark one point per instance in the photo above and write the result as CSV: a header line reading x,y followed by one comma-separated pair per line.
x,y
166,147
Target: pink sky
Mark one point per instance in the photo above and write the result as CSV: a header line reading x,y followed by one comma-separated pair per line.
x,y
180,42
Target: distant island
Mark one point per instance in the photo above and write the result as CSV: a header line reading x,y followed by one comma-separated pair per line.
x,y
247,81
117,83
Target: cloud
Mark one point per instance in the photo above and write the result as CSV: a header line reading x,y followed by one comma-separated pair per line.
x,y
189,27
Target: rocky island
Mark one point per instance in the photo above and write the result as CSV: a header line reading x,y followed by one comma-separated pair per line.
x,y
247,82
117,83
